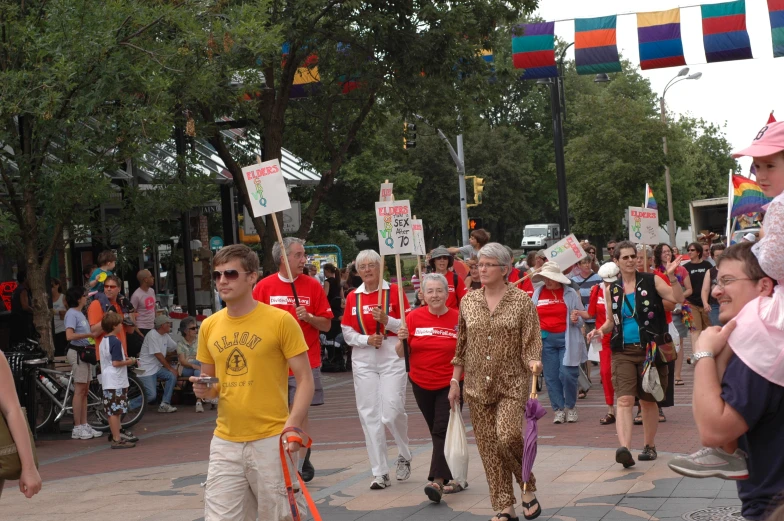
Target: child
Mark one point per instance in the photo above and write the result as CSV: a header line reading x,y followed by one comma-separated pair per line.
x,y
114,370
106,264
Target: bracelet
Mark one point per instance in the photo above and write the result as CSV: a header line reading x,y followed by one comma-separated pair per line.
x,y
454,380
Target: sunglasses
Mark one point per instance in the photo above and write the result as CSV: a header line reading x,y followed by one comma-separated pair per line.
x,y
227,274
111,287
692,249
592,252
194,328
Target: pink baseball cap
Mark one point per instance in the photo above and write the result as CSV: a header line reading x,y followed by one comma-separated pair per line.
x,y
769,140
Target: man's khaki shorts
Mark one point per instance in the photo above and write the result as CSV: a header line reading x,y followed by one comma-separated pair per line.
x,y
627,373
700,319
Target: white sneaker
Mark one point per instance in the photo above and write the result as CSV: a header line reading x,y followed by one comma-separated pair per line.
x,y
199,407
571,415
165,407
380,482
560,417
88,429
403,468
78,433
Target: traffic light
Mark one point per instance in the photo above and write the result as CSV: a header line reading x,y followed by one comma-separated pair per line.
x,y
475,224
479,187
409,135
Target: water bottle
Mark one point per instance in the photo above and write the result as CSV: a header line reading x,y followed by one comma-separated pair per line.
x,y
48,384
63,381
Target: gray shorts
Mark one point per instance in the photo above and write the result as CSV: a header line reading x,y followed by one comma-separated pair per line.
x,y
318,394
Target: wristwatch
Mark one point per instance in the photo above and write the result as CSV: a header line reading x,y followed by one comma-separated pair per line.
x,y
700,355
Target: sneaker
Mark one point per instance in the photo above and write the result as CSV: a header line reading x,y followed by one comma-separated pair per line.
x,y
308,472
403,468
560,417
94,433
165,407
199,407
571,415
380,482
122,444
125,435
78,433
624,457
712,463
648,453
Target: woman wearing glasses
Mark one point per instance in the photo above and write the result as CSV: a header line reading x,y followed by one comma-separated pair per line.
x,y
186,352
379,373
499,347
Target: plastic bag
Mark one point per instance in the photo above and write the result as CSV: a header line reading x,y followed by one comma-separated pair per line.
x,y
593,349
456,447
583,383
651,383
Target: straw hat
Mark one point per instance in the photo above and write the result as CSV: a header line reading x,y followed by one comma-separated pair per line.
x,y
609,272
551,270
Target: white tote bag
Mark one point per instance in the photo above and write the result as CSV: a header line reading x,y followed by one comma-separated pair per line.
x,y
456,447
651,383
594,346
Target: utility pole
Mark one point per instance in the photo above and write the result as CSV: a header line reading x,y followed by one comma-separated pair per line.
x,y
560,164
185,219
670,210
459,159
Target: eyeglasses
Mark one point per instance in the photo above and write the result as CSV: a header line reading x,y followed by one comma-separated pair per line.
x,y
691,249
592,252
726,281
113,286
227,274
627,257
366,267
483,266
194,328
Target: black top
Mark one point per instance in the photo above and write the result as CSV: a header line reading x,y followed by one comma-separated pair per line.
x,y
714,276
649,310
333,297
697,276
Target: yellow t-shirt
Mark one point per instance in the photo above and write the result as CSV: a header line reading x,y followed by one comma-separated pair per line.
x,y
250,356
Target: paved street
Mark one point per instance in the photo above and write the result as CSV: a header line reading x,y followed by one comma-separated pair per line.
x,y
575,469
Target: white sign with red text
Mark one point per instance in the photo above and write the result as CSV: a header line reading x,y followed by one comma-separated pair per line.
x,y
643,225
419,237
395,228
385,195
266,188
565,252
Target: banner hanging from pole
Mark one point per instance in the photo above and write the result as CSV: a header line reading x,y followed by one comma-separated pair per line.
x,y
395,228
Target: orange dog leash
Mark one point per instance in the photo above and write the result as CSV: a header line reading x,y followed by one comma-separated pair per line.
x,y
293,434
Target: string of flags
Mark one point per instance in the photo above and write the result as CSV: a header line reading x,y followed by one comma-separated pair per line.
x,y
725,38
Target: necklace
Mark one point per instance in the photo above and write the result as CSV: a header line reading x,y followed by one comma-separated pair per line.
x,y
629,303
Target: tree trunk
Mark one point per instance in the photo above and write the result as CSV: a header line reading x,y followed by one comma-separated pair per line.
x,y
42,317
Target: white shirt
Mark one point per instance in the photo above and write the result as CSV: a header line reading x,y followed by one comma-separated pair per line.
x,y
112,377
154,343
59,323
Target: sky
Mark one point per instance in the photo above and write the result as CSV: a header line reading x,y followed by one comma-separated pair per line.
x,y
738,94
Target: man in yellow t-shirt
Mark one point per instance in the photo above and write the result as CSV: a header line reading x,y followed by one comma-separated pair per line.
x,y
249,347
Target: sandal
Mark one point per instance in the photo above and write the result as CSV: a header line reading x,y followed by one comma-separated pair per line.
x,y
608,420
526,506
582,394
453,487
434,491
504,515
638,418
679,382
662,417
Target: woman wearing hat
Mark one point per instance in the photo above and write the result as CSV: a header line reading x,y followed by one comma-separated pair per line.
x,y
440,261
498,349
563,345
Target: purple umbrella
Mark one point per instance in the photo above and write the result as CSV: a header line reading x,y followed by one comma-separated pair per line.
x,y
533,412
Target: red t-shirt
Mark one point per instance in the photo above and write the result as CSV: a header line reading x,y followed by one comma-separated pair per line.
x,y
432,341
667,314
277,293
369,301
552,310
597,308
526,285
455,294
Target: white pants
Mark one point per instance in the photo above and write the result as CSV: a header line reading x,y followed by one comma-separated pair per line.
x,y
245,482
380,388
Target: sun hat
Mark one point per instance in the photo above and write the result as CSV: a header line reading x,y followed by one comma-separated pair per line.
x,y
769,140
541,254
160,320
609,272
551,270
749,237
440,252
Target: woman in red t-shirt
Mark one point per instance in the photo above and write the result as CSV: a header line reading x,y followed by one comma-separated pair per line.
x,y
431,331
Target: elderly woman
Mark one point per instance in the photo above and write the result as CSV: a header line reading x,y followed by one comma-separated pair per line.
x,y
431,331
498,348
563,345
441,261
186,352
379,373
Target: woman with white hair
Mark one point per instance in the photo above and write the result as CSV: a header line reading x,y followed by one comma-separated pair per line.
x,y
379,373
498,350
431,331
563,345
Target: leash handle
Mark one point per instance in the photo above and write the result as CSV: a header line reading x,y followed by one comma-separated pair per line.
x,y
295,435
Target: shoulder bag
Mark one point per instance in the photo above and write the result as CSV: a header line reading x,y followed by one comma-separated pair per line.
x,y
10,464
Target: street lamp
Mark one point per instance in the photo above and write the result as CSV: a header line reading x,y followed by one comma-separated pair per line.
x,y
683,74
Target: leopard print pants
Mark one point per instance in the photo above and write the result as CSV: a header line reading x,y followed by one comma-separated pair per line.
x,y
498,429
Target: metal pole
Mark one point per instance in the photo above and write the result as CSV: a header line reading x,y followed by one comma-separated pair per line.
x,y
560,167
461,182
190,290
670,210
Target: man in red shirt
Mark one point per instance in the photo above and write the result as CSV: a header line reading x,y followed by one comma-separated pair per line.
x,y
313,314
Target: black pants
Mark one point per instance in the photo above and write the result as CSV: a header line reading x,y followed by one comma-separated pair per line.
x,y
135,342
435,408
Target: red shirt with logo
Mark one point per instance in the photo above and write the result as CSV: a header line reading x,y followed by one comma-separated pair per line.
x,y
526,285
432,340
598,308
456,294
365,325
552,310
276,292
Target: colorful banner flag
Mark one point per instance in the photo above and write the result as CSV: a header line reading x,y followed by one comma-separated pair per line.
x,y
747,196
724,32
776,9
307,78
534,50
659,35
650,201
595,46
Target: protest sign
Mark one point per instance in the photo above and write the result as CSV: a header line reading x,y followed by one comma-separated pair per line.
x,y
395,230
643,225
266,188
419,237
385,195
565,252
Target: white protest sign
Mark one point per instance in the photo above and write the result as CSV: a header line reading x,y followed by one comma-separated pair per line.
x,y
643,225
386,193
395,230
565,252
266,188
419,237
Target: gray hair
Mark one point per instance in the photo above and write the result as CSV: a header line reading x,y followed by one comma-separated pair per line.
x,y
367,256
498,252
287,243
185,323
435,277
640,247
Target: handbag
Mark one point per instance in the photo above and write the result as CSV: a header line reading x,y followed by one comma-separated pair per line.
x,y
10,464
666,347
651,383
456,448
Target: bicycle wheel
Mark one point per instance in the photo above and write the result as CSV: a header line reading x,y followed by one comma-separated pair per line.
x,y
96,416
43,406
137,402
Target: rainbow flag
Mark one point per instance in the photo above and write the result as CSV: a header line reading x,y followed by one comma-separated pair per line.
x,y
534,50
747,196
776,10
724,32
650,201
595,46
659,34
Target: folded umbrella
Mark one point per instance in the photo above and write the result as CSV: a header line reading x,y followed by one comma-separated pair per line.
x,y
533,412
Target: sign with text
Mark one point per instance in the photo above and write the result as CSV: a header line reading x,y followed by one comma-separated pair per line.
x,y
385,195
643,225
266,188
291,220
419,237
565,252
395,227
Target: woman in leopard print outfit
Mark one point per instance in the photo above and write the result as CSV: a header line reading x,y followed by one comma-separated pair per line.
x,y
499,348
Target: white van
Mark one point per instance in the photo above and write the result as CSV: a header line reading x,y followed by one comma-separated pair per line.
x,y
540,236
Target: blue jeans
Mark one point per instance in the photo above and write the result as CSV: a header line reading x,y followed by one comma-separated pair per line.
x,y
188,372
150,385
714,316
561,380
